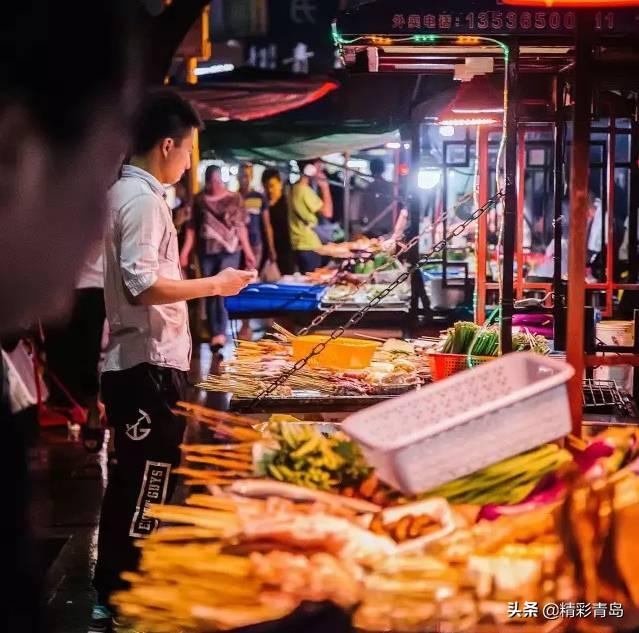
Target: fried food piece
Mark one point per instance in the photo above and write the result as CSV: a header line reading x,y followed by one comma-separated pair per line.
x,y
400,533
419,525
369,486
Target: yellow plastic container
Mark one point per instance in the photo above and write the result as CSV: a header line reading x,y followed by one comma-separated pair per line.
x,y
342,353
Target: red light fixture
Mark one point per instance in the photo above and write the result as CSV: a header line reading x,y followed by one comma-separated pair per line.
x,y
573,4
477,102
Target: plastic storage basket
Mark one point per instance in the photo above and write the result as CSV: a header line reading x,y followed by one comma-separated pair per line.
x,y
275,297
445,365
342,353
455,427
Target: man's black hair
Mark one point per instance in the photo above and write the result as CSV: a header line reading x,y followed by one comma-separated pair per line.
x,y
163,114
62,61
269,173
210,170
377,167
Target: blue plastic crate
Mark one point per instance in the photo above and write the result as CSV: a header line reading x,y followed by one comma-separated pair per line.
x,y
275,298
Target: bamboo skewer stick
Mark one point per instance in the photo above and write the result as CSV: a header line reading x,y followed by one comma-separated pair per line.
x,y
283,331
213,415
212,477
223,463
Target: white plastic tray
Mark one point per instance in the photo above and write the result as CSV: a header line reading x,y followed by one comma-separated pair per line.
x,y
466,422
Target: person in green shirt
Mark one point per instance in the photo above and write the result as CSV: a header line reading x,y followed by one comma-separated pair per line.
x,y
305,209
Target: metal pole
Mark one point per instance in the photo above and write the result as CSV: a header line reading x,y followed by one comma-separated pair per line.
x,y
510,203
413,206
579,167
609,241
558,228
521,200
347,197
483,193
191,78
396,204
633,211
445,221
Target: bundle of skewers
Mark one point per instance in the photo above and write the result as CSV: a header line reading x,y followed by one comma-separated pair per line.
x,y
258,364
253,550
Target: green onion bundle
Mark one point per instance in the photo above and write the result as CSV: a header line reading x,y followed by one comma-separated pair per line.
x,y
468,338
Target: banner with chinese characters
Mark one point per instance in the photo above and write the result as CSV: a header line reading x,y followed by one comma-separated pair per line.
x,y
478,17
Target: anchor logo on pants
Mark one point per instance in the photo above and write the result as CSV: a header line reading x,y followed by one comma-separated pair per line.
x,y
141,428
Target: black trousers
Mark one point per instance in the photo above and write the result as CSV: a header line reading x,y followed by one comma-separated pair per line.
x,y
73,350
148,435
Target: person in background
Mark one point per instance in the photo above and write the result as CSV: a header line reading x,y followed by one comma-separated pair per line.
x,y
182,210
149,350
219,232
304,211
372,207
255,205
278,237
73,350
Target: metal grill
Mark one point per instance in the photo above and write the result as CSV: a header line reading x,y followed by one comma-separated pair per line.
x,y
602,393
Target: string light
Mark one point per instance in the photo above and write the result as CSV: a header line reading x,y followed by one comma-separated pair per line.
x,y
381,41
467,39
425,38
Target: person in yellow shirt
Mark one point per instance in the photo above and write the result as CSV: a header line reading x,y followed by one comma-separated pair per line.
x,y
305,210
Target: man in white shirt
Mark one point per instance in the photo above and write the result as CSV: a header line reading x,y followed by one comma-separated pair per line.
x,y
149,350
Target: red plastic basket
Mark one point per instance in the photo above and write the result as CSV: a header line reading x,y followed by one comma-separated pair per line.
x,y
445,365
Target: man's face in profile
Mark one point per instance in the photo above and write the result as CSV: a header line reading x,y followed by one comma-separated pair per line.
x,y
52,213
61,140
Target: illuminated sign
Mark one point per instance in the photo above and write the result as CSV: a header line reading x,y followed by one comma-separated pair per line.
x,y
575,4
477,18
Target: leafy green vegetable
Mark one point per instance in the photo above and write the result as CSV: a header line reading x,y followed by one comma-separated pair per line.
x,y
306,457
468,338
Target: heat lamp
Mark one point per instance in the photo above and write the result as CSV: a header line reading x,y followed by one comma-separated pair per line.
x,y
477,102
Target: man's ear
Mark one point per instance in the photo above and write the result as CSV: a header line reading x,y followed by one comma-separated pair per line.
x,y
167,145
23,159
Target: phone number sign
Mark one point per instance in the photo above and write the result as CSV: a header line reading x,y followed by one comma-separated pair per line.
x,y
513,22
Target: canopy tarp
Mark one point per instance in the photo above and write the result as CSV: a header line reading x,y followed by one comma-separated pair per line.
x,y
246,94
366,111
311,148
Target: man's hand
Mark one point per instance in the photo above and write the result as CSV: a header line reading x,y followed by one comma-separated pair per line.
x,y
322,178
184,260
230,281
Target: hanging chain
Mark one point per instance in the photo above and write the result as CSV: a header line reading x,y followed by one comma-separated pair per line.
x,y
404,248
373,303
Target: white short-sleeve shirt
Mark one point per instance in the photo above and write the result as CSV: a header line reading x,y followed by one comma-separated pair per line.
x,y
141,245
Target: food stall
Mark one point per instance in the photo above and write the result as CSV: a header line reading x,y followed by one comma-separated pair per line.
x,y
404,524
474,503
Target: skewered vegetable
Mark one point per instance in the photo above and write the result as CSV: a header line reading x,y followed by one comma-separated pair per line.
x,y
507,482
469,338
307,458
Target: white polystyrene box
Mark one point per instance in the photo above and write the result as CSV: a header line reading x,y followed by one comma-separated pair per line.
x,y
468,421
